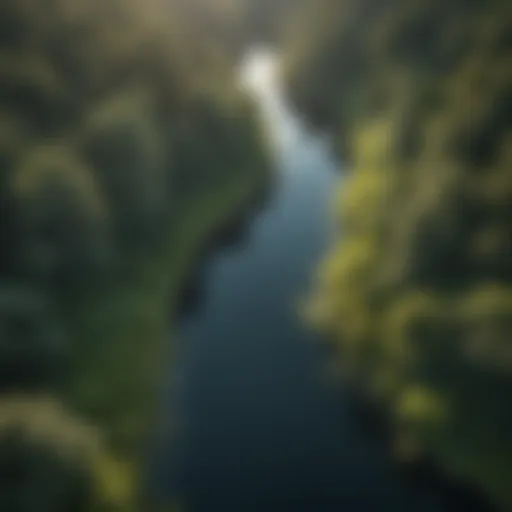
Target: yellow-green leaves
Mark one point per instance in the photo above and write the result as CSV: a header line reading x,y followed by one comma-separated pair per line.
x,y
416,290
53,169
420,406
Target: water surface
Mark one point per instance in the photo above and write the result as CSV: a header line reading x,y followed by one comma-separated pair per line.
x,y
258,427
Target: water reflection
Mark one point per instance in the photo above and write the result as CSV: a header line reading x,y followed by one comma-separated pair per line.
x,y
260,76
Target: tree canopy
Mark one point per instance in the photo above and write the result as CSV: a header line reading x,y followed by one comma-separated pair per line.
x,y
416,292
120,126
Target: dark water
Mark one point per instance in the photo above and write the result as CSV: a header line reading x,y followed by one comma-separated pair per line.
x,y
258,427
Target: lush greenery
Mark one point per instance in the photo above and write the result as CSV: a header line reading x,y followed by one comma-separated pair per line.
x,y
417,292
124,143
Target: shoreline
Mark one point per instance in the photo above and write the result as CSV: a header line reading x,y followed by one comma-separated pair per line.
x,y
234,209
131,325
422,472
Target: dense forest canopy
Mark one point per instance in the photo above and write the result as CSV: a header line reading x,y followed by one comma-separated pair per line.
x,y
125,141
417,293
123,137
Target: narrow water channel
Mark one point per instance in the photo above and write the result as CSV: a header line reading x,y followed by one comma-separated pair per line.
x,y
257,426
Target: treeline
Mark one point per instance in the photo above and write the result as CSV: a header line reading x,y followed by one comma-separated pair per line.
x,y
417,292
123,142
237,24
267,20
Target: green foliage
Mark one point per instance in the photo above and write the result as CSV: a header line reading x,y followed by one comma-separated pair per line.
x,y
64,216
416,293
46,457
32,349
123,144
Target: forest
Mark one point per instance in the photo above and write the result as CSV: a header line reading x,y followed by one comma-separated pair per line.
x,y
124,143
416,294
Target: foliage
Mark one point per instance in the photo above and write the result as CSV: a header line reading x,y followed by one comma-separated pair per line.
x,y
416,292
123,144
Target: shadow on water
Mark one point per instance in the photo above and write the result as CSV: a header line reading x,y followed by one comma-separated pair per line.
x,y
232,236
456,495
423,474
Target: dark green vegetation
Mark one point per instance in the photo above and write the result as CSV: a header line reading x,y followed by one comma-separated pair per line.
x,y
124,144
418,291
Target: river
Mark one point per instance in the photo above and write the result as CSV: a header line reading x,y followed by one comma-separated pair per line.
x,y
257,425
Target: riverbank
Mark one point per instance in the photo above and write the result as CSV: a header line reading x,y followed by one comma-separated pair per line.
x,y
419,470
124,140
124,335
415,292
